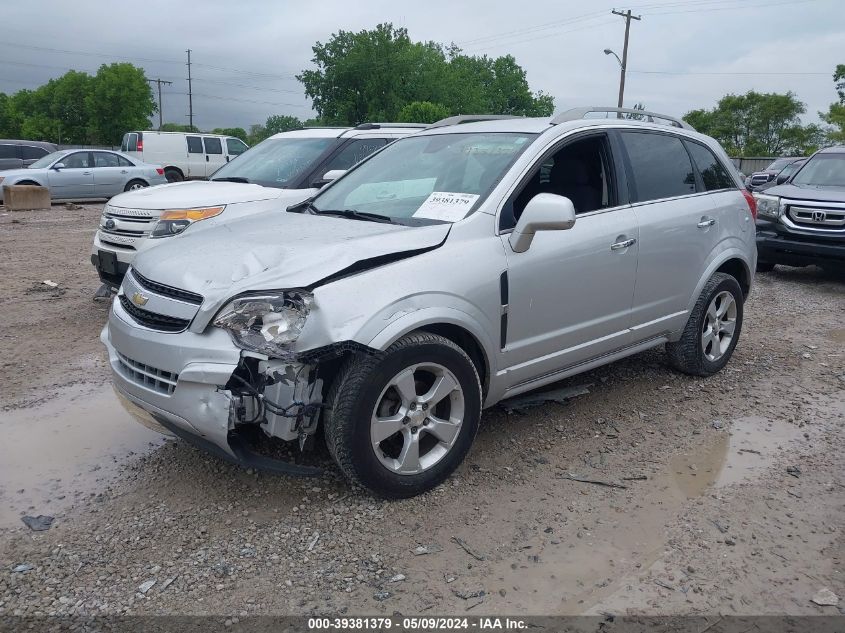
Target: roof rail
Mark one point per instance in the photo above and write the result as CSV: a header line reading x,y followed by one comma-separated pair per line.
x,y
376,126
470,118
580,113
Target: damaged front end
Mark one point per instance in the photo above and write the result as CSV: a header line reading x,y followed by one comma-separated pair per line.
x,y
276,390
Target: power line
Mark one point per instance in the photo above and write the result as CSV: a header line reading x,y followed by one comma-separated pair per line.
x,y
158,82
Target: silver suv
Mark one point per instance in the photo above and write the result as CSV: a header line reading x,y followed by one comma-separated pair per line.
x,y
450,270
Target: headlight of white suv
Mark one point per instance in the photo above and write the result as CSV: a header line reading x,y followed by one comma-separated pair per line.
x,y
174,221
266,323
767,205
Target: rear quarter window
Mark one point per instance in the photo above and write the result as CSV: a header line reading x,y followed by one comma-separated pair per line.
x,y
713,172
30,152
8,151
660,166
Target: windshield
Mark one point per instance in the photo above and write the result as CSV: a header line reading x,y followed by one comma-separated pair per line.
x,y
426,178
276,162
779,164
791,168
822,170
46,161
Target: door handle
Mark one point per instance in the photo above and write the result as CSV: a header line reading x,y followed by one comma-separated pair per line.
x,y
618,246
706,222
206,159
86,173
123,171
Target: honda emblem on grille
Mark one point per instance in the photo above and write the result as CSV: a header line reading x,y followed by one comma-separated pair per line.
x,y
140,300
819,216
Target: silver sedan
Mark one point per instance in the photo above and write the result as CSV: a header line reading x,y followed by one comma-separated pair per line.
x,y
85,174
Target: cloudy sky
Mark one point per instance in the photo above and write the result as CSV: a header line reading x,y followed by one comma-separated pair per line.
x,y
683,54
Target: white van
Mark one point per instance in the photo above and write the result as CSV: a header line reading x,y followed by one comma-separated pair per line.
x,y
184,156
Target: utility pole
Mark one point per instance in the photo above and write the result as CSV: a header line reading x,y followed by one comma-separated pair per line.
x,y
190,94
628,17
159,82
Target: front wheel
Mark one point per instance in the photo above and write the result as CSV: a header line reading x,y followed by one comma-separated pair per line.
x,y
712,331
402,424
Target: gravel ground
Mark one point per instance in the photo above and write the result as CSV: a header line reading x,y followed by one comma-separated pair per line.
x,y
729,497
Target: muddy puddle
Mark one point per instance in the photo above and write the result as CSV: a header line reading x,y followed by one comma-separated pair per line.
x,y
747,448
583,565
56,454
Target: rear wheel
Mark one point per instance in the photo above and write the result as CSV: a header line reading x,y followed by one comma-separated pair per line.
x,y
173,175
402,424
712,331
134,185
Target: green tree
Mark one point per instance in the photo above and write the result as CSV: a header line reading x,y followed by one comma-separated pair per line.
x,y
281,123
237,132
257,133
835,115
120,100
373,74
756,124
422,112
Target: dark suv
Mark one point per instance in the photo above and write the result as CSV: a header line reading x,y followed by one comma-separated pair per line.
x,y
802,221
15,154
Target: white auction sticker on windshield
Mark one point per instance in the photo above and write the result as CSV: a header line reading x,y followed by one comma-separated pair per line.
x,y
446,206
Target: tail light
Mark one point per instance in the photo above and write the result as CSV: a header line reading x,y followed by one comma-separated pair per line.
x,y
752,203
140,145
160,171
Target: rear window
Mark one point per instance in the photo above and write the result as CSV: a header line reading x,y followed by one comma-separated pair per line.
x,y
713,173
194,144
8,151
213,146
660,166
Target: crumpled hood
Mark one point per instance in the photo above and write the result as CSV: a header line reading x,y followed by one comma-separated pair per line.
x,y
807,192
275,251
192,194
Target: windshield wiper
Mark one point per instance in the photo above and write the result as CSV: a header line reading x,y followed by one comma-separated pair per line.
x,y
354,215
231,179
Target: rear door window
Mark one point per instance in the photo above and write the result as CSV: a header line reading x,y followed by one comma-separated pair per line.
x,y
104,159
213,145
30,152
713,173
660,166
194,145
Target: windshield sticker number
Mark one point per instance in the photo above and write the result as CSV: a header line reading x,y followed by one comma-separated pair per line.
x,y
446,206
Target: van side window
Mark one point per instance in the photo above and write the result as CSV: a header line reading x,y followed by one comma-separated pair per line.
x,y
213,145
8,151
194,145
713,173
580,171
30,152
660,166
235,146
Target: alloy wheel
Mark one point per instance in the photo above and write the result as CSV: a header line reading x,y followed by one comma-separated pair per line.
x,y
719,326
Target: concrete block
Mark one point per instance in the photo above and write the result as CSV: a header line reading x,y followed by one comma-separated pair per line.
x,y
26,197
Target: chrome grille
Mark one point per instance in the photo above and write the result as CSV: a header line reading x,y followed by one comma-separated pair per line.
x,y
122,227
817,216
163,382
759,179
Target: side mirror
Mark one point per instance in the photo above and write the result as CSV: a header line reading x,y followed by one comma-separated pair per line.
x,y
781,179
58,166
544,212
329,176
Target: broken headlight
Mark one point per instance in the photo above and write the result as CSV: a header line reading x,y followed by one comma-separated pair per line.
x,y
266,324
174,221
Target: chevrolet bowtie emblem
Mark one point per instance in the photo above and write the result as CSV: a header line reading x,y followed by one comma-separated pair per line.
x,y
140,300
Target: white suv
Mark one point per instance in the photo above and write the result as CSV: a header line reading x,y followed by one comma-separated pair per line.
x,y
284,169
457,267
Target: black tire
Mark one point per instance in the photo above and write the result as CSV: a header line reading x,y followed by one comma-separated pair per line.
x,y
131,185
173,175
765,267
354,395
687,354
